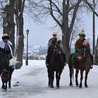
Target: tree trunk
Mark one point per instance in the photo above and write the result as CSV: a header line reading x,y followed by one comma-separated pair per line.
x,y
20,45
10,27
65,39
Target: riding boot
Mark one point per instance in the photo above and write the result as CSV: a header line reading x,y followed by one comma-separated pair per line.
x,y
91,56
47,61
64,57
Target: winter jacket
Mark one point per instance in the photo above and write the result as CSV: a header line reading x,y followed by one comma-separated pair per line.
x,y
6,48
79,44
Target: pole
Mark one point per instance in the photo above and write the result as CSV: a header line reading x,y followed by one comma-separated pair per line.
x,y
3,26
27,51
93,31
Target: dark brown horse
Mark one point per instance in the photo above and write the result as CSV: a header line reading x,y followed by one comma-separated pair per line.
x,y
82,62
5,71
56,64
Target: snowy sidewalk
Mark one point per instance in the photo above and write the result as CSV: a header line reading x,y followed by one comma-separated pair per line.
x,y
31,82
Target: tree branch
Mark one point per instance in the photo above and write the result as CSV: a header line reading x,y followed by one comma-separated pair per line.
x,y
51,13
91,7
74,15
57,8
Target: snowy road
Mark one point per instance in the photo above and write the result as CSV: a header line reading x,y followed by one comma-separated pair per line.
x,y
31,82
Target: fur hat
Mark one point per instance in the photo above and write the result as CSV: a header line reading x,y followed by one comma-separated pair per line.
x,y
5,36
82,34
54,33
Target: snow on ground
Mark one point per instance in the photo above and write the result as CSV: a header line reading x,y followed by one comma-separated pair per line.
x,y
31,82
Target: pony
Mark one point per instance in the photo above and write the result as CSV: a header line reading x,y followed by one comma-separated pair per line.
x,y
82,62
56,64
5,70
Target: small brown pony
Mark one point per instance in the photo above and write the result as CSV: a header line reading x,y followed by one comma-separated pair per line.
x,y
81,62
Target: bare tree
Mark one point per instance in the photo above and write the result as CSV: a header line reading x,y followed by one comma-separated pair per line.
x,y
9,27
63,12
91,6
19,8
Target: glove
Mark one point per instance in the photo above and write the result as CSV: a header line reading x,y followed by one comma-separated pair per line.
x,y
47,65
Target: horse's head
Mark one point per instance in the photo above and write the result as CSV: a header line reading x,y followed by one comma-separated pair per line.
x,y
5,75
82,53
56,49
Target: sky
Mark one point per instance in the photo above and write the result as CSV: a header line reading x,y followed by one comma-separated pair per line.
x,y
41,33
31,82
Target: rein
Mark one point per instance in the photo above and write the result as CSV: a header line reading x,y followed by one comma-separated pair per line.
x,y
84,55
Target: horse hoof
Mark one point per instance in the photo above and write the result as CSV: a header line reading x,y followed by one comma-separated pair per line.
x,y
58,86
9,87
4,88
80,86
86,86
70,84
77,85
52,86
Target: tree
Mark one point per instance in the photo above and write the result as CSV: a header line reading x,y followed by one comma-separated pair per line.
x,y
19,8
9,26
91,6
63,12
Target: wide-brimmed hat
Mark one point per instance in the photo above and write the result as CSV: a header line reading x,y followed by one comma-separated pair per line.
x,y
5,36
82,34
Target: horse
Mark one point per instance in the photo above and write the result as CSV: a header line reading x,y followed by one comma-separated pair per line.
x,y
5,70
82,62
56,64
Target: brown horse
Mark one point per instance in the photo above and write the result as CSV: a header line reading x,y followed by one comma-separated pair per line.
x,y
81,62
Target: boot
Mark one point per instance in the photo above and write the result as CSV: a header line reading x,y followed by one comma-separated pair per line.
x,y
91,56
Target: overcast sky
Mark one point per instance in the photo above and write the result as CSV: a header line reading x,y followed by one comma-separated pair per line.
x,y
40,34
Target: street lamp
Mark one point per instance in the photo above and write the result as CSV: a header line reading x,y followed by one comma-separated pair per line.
x,y
4,14
27,31
93,31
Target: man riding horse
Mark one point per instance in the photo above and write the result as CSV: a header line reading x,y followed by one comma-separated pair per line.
x,y
80,43
6,46
51,42
5,55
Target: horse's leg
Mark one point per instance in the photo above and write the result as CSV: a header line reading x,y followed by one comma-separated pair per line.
x,y
81,78
49,79
76,76
2,85
9,82
58,74
52,79
6,86
71,75
86,76
10,76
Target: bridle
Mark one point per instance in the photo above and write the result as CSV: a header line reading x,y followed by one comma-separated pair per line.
x,y
82,53
56,49
3,76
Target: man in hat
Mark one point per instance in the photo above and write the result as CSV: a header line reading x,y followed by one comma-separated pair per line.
x,y
52,41
80,42
6,46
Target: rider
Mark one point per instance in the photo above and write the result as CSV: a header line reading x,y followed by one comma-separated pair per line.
x,y
81,42
50,43
6,46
